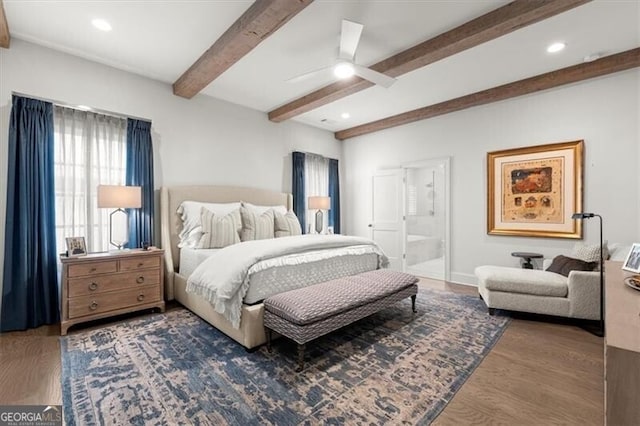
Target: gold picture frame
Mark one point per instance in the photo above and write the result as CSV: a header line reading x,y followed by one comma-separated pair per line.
x,y
534,191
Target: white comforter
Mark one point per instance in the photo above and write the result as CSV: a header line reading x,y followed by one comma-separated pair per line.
x,y
223,279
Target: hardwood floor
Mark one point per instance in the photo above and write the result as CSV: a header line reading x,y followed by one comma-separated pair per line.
x,y
539,372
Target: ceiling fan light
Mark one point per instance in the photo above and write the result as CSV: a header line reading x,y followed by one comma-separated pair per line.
x,y
343,70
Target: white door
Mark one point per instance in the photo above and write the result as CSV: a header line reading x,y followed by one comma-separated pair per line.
x,y
387,226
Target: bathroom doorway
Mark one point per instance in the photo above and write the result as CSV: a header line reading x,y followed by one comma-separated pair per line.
x,y
427,218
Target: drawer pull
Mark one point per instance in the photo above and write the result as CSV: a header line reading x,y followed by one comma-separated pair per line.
x,y
93,306
140,297
140,279
93,286
140,265
92,270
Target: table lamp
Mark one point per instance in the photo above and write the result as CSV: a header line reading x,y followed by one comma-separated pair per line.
x,y
119,197
319,204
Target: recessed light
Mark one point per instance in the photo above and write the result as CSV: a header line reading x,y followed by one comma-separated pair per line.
x,y
345,115
344,70
556,47
101,24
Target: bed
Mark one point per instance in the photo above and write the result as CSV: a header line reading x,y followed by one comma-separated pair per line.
x,y
250,332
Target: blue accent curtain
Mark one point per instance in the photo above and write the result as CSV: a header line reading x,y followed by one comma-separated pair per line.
x,y
30,277
334,193
140,173
297,186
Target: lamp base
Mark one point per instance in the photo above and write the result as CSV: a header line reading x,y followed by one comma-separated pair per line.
x,y
319,222
119,218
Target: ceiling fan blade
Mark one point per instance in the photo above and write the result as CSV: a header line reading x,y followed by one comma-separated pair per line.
x,y
308,75
349,39
374,76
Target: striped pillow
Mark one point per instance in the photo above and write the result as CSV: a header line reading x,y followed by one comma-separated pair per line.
x,y
256,226
287,224
219,231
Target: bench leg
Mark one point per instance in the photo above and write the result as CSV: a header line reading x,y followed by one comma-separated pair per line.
x,y
268,330
492,311
413,303
300,358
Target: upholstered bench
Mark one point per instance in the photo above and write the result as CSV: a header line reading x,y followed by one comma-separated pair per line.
x,y
310,312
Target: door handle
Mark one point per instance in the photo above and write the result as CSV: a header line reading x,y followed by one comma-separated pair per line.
x,y
370,225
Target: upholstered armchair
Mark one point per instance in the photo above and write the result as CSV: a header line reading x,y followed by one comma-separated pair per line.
x,y
540,291
576,294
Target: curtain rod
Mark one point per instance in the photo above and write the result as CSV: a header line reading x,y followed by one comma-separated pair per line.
x,y
314,153
78,107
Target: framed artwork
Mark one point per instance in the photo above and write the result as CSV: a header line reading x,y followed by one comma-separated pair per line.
x,y
533,191
632,262
76,246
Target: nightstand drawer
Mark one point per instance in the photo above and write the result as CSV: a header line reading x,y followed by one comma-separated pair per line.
x,y
92,268
105,283
82,306
139,263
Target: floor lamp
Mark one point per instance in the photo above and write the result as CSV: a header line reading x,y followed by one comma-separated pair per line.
x,y
582,216
120,198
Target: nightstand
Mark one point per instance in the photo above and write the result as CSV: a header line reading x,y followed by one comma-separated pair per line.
x,y
101,285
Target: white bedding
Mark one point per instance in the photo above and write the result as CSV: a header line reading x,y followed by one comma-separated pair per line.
x,y
223,279
191,258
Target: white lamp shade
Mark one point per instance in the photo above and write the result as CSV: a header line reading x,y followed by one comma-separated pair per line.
x,y
117,196
319,203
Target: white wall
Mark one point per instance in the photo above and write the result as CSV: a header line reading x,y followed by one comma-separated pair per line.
x,y
197,141
604,112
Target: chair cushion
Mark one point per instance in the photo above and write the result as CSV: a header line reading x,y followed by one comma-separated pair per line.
x,y
525,281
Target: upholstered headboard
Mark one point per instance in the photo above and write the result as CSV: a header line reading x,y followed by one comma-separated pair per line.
x,y
171,223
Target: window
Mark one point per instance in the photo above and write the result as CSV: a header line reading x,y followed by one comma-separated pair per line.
x,y
316,171
90,149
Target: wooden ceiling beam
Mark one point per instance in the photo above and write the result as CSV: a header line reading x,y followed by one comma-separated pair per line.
x,y
492,25
263,18
573,74
5,37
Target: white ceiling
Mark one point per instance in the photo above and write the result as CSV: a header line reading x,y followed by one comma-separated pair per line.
x,y
161,39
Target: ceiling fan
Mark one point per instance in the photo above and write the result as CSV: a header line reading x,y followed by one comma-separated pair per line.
x,y
345,65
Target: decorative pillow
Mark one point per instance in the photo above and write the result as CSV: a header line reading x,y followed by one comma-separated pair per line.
x,y
287,224
590,252
256,226
219,231
261,209
563,265
191,214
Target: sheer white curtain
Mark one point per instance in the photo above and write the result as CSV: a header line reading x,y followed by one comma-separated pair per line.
x,y
316,183
90,149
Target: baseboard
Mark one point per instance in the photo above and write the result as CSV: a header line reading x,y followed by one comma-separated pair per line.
x,y
464,279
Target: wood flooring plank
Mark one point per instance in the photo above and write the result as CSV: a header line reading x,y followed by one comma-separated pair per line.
x,y
538,373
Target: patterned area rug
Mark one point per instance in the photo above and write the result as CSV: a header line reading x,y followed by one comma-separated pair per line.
x,y
174,368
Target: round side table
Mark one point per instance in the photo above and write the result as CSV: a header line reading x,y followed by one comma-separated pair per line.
x,y
526,257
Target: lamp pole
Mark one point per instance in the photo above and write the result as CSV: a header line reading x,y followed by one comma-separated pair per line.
x,y
582,216
601,279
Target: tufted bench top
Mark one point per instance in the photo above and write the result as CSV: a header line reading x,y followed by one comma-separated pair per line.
x,y
320,301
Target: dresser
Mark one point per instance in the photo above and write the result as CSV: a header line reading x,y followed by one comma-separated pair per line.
x,y
622,349
101,285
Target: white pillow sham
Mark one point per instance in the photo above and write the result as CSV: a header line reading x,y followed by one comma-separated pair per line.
x,y
261,209
191,215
